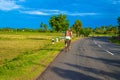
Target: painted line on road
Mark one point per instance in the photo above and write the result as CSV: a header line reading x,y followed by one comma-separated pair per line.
x,y
99,45
95,42
109,52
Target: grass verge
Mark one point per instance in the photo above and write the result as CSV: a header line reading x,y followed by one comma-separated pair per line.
x,y
114,40
28,65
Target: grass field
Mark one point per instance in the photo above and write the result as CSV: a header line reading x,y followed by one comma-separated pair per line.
x,y
24,55
115,40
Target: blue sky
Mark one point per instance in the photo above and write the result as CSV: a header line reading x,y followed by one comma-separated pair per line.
x,y
30,13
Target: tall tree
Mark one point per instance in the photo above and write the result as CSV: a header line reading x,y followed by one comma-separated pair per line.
x,y
97,30
77,26
86,31
43,27
118,26
59,22
102,29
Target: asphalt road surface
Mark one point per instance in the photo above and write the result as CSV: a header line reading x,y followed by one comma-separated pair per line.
x,y
89,59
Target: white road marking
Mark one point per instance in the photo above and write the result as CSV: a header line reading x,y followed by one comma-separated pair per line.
x,y
105,50
99,45
109,52
95,42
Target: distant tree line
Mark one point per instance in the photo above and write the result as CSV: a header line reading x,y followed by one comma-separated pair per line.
x,y
110,29
7,29
59,23
118,19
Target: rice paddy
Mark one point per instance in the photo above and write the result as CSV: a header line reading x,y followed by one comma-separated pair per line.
x,y
23,56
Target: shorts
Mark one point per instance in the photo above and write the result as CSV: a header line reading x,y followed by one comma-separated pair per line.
x,y
67,38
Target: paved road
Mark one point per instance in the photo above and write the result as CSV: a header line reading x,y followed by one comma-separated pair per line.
x,y
89,59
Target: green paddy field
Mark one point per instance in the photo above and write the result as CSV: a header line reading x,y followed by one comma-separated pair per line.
x,y
24,55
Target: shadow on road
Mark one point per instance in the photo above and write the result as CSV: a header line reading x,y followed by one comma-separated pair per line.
x,y
115,47
72,75
73,71
106,61
115,75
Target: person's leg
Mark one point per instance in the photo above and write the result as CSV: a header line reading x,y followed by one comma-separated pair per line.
x,y
70,43
67,45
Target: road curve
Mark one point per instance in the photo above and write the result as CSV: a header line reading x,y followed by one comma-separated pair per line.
x,y
89,59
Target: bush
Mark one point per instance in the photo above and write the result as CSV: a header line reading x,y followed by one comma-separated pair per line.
x,y
115,39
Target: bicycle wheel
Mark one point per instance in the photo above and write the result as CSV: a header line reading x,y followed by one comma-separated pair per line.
x,y
67,45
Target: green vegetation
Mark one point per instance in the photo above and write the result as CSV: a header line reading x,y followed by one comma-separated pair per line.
x,y
115,40
86,31
77,26
118,19
43,27
59,23
24,55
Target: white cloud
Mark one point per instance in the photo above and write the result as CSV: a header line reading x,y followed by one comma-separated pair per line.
x,y
34,12
43,12
82,14
46,12
116,2
22,0
7,5
52,11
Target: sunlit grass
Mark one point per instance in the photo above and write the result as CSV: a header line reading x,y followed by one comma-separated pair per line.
x,y
11,48
23,56
28,65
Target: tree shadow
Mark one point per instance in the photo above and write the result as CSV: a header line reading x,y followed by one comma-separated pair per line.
x,y
72,75
115,75
38,38
115,47
51,49
103,39
106,61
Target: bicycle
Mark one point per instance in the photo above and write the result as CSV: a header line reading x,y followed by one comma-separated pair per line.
x,y
67,45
